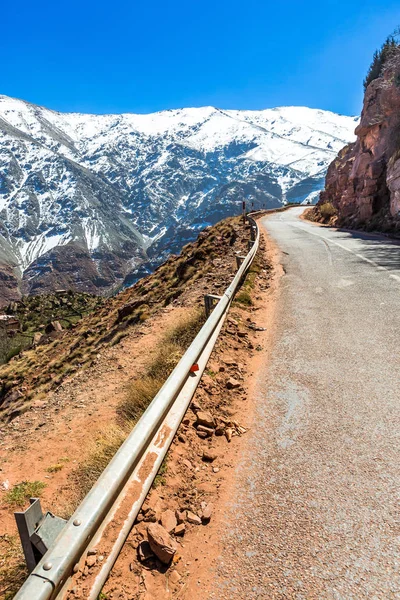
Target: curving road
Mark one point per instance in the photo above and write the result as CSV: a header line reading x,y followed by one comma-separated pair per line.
x,y
317,514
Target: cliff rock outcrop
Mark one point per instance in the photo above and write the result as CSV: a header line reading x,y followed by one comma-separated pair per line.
x,y
362,186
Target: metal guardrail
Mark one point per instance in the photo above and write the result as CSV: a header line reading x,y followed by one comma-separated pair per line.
x,y
129,476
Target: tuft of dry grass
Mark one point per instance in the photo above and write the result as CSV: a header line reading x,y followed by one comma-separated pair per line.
x,y
20,493
244,298
327,210
138,396
184,332
100,453
55,468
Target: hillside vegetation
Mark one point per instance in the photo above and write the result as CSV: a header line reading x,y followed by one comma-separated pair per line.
x,y
27,377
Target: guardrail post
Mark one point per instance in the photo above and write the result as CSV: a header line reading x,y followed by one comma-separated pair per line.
x,y
37,531
239,260
209,300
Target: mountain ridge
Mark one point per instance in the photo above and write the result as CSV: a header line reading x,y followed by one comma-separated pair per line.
x,y
126,190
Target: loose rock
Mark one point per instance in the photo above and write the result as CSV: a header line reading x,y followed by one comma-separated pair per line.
x,y
206,513
91,561
205,419
161,543
209,455
207,430
192,518
180,516
232,384
174,577
144,551
180,529
168,520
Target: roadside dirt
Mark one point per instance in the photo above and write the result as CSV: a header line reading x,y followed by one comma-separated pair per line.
x,y
61,431
50,440
190,482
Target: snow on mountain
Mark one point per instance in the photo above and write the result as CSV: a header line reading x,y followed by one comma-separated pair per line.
x,y
87,200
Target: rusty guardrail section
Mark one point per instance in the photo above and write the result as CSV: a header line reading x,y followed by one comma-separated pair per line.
x,y
106,515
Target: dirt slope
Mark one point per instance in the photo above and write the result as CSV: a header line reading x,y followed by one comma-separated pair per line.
x,y
72,386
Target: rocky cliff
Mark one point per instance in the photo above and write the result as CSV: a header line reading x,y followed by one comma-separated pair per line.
x,y
362,187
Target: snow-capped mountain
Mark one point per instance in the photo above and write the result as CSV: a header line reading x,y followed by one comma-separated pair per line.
x,y
86,200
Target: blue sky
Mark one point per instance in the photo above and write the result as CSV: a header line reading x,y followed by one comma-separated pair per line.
x,y
137,56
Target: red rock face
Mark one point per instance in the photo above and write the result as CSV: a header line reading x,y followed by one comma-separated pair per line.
x,y
363,182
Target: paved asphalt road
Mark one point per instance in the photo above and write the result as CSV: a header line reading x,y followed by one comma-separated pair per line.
x,y
316,513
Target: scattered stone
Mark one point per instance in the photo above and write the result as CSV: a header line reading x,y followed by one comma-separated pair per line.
x,y
206,430
205,419
180,529
168,520
202,435
228,433
192,518
92,552
91,561
220,430
187,463
206,512
182,438
255,328
232,384
209,455
232,321
150,516
230,363
195,406
53,326
144,551
215,469
38,338
152,508
242,334
161,543
180,516
175,577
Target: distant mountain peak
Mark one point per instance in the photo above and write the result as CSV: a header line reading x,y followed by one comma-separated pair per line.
x,y
119,192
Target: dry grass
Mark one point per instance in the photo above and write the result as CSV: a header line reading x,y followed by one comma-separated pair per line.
x,y
183,333
13,571
327,210
138,396
244,296
20,493
100,453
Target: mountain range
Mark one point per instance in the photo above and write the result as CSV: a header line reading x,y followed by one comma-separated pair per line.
x,y
92,202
